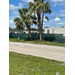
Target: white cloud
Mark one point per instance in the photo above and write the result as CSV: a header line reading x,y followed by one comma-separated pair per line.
x,y
13,7
62,15
14,26
56,3
51,14
62,11
27,1
11,22
20,5
57,19
58,0
56,22
15,13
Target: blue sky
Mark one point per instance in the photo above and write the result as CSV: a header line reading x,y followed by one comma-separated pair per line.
x,y
57,18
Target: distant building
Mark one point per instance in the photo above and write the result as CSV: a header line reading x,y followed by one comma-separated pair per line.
x,y
16,31
47,30
22,31
55,30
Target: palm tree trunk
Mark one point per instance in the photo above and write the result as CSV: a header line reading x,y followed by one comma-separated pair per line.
x,y
29,31
42,18
39,25
30,34
40,33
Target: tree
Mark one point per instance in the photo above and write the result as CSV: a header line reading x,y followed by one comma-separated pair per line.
x,y
10,28
62,27
36,8
45,9
46,27
39,7
27,19
19,24
33,29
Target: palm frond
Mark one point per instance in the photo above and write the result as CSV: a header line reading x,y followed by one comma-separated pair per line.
x,y
20,12
16,19
48,3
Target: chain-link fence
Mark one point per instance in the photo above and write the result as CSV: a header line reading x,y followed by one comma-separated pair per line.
x,y
48,37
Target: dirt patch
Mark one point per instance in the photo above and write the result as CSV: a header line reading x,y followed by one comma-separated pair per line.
x,y
32,69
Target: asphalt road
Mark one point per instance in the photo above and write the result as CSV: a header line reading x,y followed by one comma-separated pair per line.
x,y
50,52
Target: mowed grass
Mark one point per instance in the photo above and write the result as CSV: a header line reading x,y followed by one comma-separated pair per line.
x,y
20,64
38,42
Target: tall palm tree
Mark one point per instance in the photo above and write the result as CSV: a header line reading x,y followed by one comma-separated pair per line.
x,y
36,8
27,19
40,7
19,24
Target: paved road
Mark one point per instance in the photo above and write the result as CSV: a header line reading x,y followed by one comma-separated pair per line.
x,y
50,52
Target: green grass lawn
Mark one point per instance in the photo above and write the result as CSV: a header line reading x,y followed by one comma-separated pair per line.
x,y
38,42
20,64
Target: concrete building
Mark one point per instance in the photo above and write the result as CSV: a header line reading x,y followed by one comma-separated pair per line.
x,y
55,30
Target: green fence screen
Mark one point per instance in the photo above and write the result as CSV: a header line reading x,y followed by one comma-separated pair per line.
x,y
48,37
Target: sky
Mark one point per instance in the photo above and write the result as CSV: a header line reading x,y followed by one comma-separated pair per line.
x,y
56,18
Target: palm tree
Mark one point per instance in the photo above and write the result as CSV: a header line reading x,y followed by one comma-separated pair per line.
x,y
39,7
36,8
27,19
19,24
45,9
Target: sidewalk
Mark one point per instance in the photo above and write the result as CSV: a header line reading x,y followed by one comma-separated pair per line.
x,y
50,52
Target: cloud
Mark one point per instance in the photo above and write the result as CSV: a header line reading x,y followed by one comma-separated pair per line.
x,y
56,3
27,1
14,14
51,14
13,7
57,19
50,23
14,26
58,0
62,11
62,15
11,22
14,10
20,5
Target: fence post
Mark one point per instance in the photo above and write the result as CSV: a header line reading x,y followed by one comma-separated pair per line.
x,y
18,38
